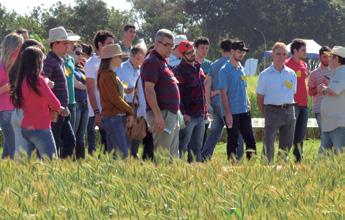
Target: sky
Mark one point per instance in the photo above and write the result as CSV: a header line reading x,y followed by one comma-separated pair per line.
x,y
25,6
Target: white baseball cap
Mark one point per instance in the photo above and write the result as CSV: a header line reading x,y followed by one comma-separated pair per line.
x,y
178,39
60,34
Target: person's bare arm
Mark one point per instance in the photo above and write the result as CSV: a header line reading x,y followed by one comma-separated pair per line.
x,y
92,98
226,105
260,102
208,83
79,85
4,88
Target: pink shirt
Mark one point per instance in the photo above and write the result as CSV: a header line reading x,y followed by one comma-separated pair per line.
x,y
5,103
36,107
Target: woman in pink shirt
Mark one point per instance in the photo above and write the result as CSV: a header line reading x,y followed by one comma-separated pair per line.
x,y
32,94
9,51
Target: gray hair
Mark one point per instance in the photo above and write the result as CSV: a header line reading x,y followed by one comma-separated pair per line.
x,y
10,43
162,33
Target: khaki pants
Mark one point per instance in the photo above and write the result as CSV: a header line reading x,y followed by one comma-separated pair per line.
x,y
164,139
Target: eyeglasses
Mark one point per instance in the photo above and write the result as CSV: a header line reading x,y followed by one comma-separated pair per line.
x,y
167,45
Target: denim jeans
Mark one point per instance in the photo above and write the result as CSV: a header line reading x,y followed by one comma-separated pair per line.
x,y
116,135
91,136
42,140
333,140
301,114
217,126
72,108
81,121
16,122
64,136
242,123
191,137
8,134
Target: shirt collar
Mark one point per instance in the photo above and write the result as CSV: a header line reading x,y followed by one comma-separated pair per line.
x,y
155,53
52,55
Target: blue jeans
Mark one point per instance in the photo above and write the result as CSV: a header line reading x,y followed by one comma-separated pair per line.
x,y
191,138
16,122
81,121
42,140
64,136
72,109
115,133
301,114
91,136
333,139
8,133
217,126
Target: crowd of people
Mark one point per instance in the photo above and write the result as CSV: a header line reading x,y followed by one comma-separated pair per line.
x,y
168,97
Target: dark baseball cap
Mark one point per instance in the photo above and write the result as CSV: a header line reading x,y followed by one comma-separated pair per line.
x,y
239,45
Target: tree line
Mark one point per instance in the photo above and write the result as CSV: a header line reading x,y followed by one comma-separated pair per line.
x,y
254,21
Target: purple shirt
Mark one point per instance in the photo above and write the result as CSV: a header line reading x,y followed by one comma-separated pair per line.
x,y
155,70
54,69
317,77
192,89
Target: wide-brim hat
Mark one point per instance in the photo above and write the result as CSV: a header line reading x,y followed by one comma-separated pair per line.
x,y
60,34
110,51
337,50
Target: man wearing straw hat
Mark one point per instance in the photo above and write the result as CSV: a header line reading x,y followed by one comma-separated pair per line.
x,y
54,69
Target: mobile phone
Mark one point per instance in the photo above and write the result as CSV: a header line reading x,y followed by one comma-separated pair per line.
x,y
167,130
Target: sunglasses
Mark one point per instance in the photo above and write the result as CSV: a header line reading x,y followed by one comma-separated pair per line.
x,y
78,53
189,52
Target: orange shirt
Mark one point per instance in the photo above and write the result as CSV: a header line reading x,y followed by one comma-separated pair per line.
x,y
300,68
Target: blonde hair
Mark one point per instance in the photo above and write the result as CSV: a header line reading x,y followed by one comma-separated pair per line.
x,y
279,45
10,43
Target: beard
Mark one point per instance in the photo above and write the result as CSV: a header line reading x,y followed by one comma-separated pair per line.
x,y
324,64
192,59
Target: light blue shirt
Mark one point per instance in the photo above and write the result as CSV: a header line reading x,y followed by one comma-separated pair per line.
x,y
231,79
214,73
278,88
129,75
173,60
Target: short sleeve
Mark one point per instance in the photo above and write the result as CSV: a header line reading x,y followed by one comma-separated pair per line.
x,y
90,70
337,83
151,71
261,85
222,78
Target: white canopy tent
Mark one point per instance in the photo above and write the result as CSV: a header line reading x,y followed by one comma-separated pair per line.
x,y
312,49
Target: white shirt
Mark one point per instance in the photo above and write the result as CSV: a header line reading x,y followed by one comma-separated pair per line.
x,y
141,112
91,70
128,75
278,88
333,107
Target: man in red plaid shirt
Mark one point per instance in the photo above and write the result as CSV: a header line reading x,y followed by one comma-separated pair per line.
x,y
191,80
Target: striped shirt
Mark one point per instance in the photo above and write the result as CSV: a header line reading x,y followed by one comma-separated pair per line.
x,y
155,70
54,69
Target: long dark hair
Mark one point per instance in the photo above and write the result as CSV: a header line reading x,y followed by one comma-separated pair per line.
x,y
104,66
29,68
14,70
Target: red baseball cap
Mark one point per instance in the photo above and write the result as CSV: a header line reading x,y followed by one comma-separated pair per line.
x,y
184,46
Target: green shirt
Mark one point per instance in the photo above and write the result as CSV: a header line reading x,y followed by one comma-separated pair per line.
x,y
69,71
206,66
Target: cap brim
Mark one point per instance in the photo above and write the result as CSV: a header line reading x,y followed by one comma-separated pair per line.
x,y
245,49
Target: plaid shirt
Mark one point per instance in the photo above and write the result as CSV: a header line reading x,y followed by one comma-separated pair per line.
x,y
192,88
54,69
155,70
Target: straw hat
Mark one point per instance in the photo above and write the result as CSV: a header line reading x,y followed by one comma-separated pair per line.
x,y
110,51
60,34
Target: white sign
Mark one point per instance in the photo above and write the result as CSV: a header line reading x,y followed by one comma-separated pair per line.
x,y
251,66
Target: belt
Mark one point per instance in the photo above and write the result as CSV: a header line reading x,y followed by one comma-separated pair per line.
x,y
283,106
